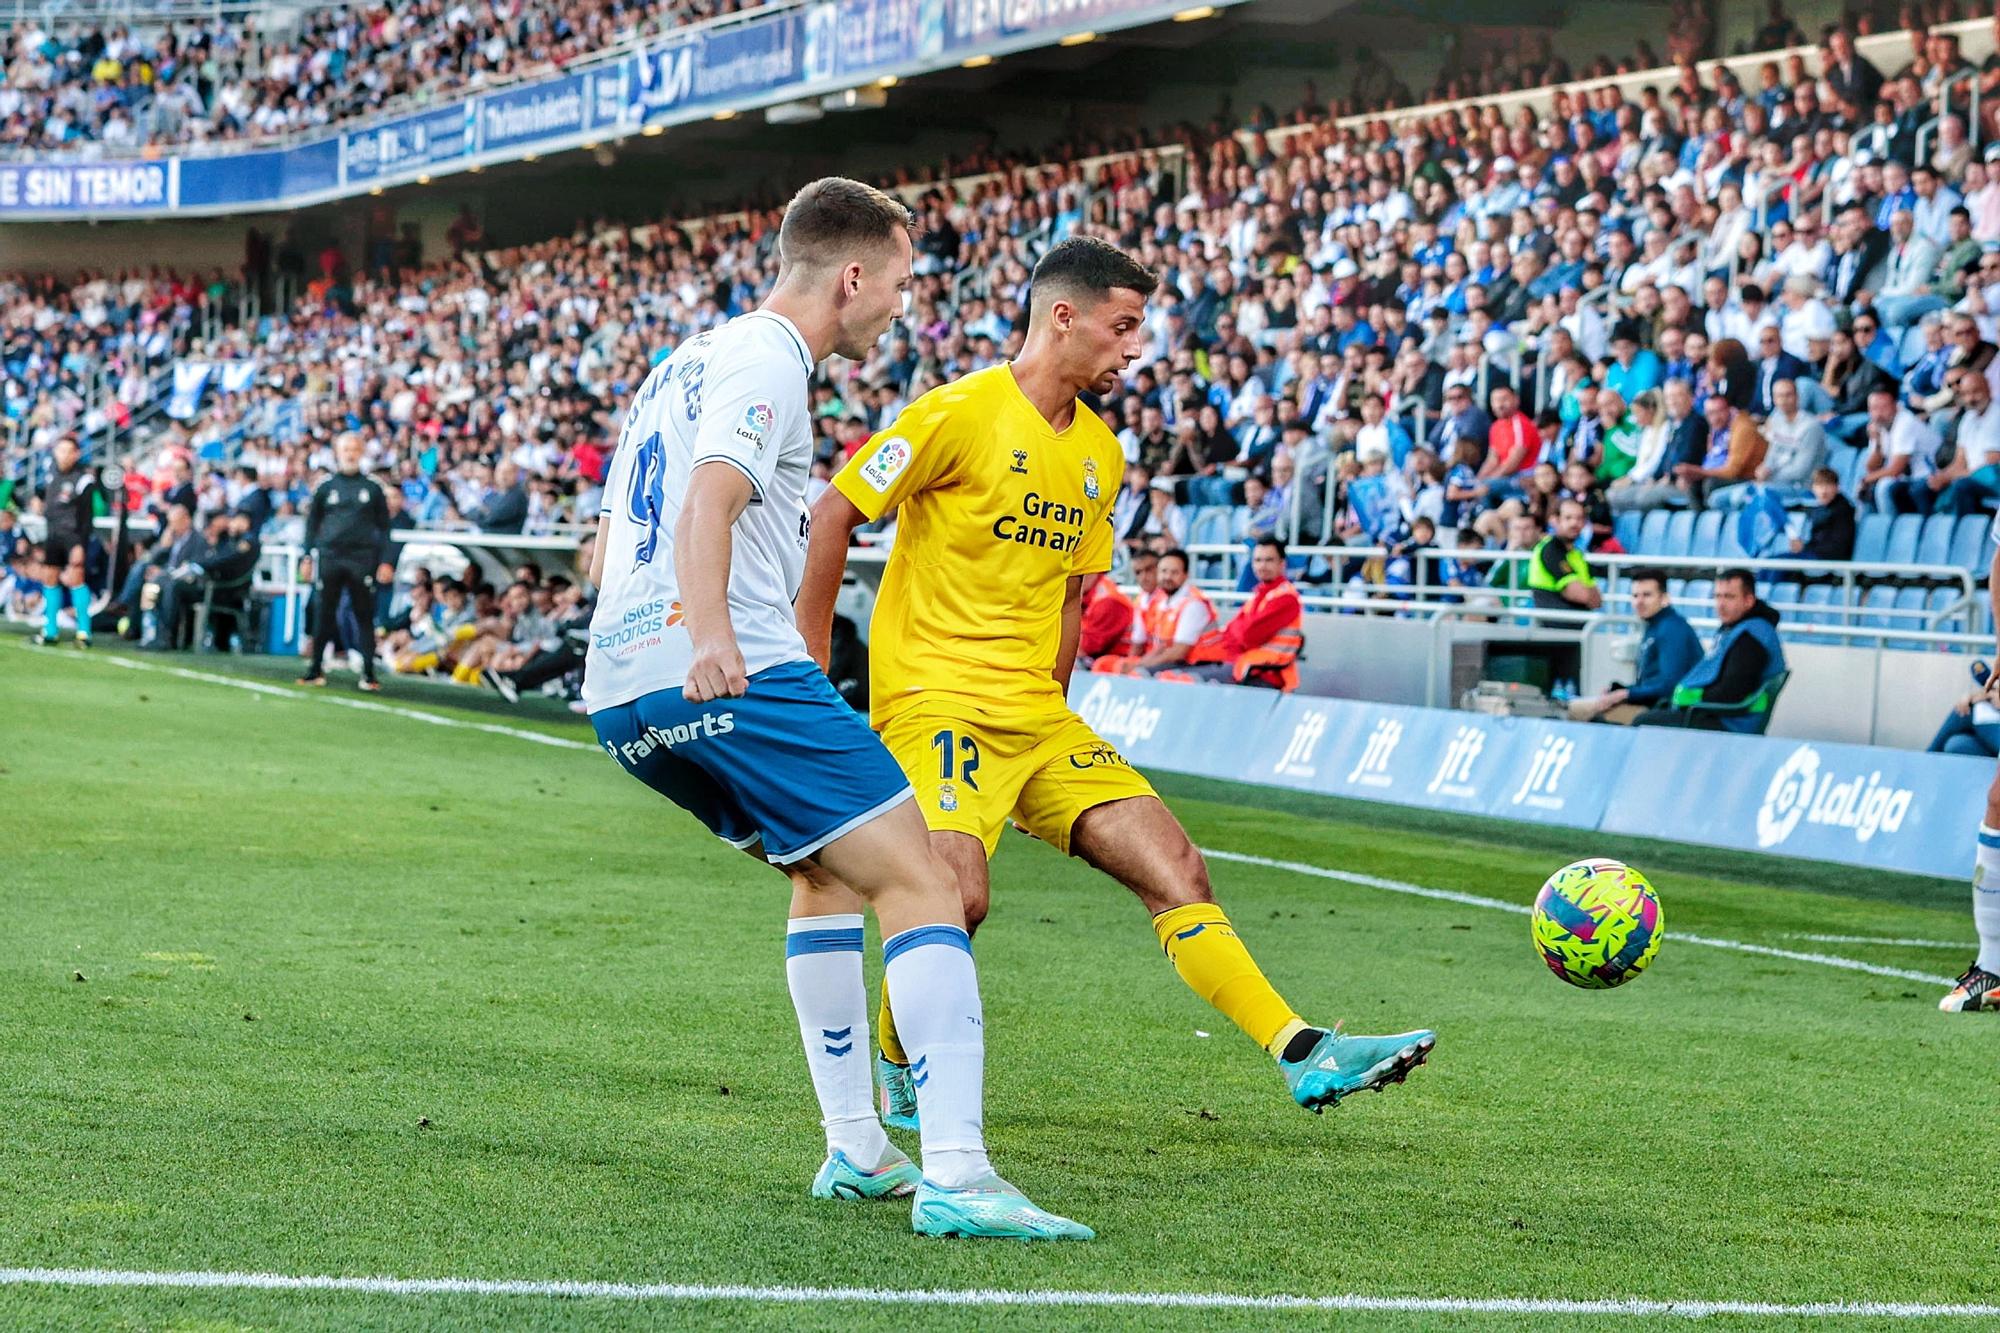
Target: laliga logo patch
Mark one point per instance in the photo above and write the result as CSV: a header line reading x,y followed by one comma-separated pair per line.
x,y
887,464
757,421
1090,478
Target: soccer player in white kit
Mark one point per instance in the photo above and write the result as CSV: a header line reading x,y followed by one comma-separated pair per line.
x,y
1979,988
698,684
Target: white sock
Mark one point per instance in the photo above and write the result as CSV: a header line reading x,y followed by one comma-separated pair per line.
x,y
823,965
1985,899
934,993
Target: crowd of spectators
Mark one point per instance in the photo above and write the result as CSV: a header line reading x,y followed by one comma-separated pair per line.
x,y
128,86
1450,326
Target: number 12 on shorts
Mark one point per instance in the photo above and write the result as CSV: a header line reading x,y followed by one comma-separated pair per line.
x,y
950,745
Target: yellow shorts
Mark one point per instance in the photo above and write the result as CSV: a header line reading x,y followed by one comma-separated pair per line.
x,y
971,776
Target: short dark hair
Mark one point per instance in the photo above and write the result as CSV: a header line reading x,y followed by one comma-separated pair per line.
x,y
1650,574
1743,578
835,215
1268,540
1085,267
1176,553
1827,475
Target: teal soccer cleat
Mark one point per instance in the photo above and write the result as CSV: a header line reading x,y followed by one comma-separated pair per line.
x,y
899,1095
895,1178
988,1209
1339,1066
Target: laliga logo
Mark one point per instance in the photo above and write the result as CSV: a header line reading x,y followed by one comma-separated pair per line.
x,y
1126,721
1799,791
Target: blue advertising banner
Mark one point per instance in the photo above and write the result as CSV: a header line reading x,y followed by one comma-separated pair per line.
x,y
524,117
87,188
1859,804
248,179
1894,809
412,143
801,51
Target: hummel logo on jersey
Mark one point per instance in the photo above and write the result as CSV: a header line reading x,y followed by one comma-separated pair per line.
x,y
1020,462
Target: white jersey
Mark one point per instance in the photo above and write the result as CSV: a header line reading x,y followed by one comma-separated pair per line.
x,y
737,395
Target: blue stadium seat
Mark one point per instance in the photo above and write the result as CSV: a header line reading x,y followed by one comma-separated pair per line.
x,y
1846,461
1731,546
1970,548
1904,533
1680,533
1210,525
1908,600
1876,601
1783,596
1813,603
1698,593
1626,528
1675,587
1934,543
1653,532
1707,539
1871,539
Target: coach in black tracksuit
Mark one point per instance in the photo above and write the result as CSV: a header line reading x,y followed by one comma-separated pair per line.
x,y
347,541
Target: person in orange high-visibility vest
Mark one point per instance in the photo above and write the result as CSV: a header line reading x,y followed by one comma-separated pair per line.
x,y
1141,620
1176,616
1260,644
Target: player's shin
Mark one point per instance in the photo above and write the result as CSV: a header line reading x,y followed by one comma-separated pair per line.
x,y
1204,949
936,988
823,967
1986,898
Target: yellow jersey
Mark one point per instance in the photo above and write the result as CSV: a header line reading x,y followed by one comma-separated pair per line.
x,y
996,511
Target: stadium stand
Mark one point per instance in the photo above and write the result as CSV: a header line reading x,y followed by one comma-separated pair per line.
x,y
1310,267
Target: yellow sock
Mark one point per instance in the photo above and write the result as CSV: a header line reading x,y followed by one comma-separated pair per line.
x,y
421,662
885,1031
1202,946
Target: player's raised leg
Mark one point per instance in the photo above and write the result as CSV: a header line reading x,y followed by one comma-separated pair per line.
x,y
1979,989
1138,842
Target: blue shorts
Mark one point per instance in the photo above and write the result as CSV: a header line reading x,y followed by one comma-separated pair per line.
x,y
789,764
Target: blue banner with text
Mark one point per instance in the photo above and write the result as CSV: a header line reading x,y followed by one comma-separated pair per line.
x,y
1861,805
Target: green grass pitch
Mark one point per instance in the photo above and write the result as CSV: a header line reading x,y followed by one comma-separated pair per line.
x,y
302,989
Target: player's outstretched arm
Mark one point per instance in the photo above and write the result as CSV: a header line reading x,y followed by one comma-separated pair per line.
x,y
717,495
834,519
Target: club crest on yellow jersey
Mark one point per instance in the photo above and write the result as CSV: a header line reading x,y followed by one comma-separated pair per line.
x,y
947,797
1090,479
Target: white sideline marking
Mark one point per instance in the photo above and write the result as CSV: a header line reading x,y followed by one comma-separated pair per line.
x,y
1522,909
973,1297
1297,867
1887,940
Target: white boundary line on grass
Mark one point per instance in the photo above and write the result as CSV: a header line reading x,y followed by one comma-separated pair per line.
x,y
1242,858
1522,909
1887,940
975,1297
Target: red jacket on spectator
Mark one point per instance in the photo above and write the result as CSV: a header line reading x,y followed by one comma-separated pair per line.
x,y
1272,609
1107,618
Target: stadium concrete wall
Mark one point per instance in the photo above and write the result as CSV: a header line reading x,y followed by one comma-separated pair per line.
x,y
1855,804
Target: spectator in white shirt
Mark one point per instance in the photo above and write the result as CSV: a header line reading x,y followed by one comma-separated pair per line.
x,y
1902,450
1973,476
1806,326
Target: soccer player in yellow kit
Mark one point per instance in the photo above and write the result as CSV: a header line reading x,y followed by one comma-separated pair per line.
x,y
1003,486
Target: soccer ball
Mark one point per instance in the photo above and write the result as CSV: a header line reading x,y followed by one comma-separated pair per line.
x,y
1597,923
